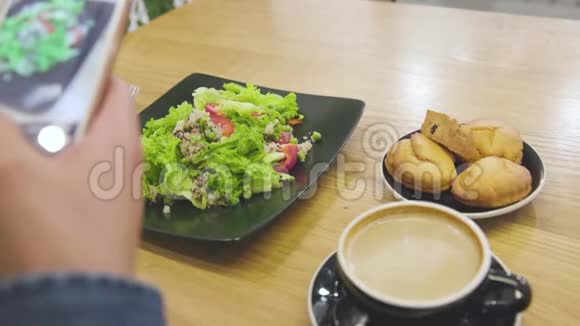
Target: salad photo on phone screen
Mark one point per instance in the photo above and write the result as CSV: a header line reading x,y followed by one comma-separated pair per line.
x,y
44,44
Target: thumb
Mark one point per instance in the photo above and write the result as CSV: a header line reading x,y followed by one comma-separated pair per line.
x,y
116,124
13,142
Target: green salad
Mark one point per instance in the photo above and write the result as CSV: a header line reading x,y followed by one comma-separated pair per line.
x,y
40,36
229,144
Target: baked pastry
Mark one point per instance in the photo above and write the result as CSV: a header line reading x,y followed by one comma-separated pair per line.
x,y
446,131
496,138
492,182
421,164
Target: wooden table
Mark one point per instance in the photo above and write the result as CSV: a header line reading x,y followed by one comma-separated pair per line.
x,y
401,59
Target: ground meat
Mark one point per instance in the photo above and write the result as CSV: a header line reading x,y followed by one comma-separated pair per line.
x,y
269,130
189,133
192,135
194,118
198,188
191,124
178,127
189,128
305,147
271,147
188,136
217,129
190,147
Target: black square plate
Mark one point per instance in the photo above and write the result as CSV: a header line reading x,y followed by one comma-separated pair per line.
x,y
335,118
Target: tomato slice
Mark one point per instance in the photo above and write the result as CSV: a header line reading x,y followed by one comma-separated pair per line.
x,y
217,118
285,138
225,123
281,168
77,35
291,151
212,109
48,26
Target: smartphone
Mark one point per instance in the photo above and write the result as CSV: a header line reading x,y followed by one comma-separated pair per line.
x,y
55,60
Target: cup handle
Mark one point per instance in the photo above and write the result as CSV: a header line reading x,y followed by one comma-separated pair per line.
x,y
512,294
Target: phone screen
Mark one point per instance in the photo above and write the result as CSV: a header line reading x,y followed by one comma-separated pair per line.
x,y
55,57
44,44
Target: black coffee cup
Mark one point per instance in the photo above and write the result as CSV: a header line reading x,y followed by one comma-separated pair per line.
x,y
510,294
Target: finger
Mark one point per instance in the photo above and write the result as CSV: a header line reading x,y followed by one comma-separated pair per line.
x,y
13,142
116,124
97,111
76,150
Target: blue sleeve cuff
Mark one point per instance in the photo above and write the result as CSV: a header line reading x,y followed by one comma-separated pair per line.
x,y
68,299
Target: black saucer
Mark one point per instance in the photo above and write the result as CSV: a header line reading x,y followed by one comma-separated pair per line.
x,y
330,304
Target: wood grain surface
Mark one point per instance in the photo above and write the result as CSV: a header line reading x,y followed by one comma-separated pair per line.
x,y
400,59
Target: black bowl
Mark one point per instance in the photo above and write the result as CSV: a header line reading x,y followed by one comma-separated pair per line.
x,y
531,160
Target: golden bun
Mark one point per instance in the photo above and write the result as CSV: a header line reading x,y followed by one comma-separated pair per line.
x,y
421,164
492,182
446,131
497,138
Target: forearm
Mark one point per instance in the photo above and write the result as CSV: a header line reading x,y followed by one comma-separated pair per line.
x,y
78,299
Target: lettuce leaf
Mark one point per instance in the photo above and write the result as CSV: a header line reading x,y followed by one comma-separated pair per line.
x,y
161,147
239,160
177,181
167,123
237,99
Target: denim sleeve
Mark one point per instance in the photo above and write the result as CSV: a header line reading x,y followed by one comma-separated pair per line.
x,y
79,300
